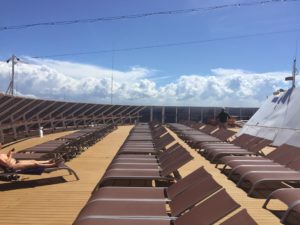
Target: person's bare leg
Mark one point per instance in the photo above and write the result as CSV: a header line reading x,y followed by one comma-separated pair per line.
x,y
32,164
35,161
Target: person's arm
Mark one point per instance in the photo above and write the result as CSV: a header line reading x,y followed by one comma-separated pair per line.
x,y
7,161
4,161
228,116
10,154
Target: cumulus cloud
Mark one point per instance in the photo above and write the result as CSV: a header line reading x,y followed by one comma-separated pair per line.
x,y
52,79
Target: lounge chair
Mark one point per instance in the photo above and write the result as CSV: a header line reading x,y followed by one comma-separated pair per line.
x,y
255,149
146,147
281,158
241,141
207,212
152,208
14,175
176,157
137,174
276,174
182,197
168,157
159,131
156,193
223,135
289,196
147,158
197,139
233,160
208,128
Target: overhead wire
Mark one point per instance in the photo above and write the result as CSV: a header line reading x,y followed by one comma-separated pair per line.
x,y
174,44
140,15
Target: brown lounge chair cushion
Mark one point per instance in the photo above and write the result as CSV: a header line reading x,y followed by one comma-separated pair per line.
x,y
151,192
207,212
241,218
131,207
121,222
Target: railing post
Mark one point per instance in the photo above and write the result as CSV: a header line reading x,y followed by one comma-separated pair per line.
x,y
163,115
151,114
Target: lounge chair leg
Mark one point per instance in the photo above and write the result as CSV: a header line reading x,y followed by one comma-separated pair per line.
x,y
253,187
72,172
177,175
240,182
287,212
223,169
212,160
251,191
231,172
242,178
269,199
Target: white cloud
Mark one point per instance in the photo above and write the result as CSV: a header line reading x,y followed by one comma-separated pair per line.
x,y
52,79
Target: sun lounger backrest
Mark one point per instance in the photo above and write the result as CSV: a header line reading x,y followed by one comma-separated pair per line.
x,y
159,131
175,156
173,147
194,194
196,125
208,129
295,164
252,142
218,133
209,211
165,137
165,154
172,155
182,184
280,151
241,139
241,218
164,141
260,145
225,134
176,164
287,154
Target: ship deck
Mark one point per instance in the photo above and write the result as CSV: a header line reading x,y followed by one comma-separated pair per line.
x,y
57,198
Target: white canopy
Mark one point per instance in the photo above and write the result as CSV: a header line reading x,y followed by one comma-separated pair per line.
x,y
277,119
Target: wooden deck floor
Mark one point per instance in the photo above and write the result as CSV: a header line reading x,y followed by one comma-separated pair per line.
x,y
53,199
253,205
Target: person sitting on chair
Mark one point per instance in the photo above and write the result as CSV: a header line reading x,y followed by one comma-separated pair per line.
x,y
9,162
222,118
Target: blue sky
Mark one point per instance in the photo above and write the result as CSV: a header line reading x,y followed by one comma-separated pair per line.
x,y
165,66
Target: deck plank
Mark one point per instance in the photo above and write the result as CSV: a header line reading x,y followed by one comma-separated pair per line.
x,y
58,203
53,201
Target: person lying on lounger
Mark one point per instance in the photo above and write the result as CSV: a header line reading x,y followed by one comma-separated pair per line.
x,y
9,162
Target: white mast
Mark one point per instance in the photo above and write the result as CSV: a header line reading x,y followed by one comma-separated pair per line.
x,y
11,87
294,73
